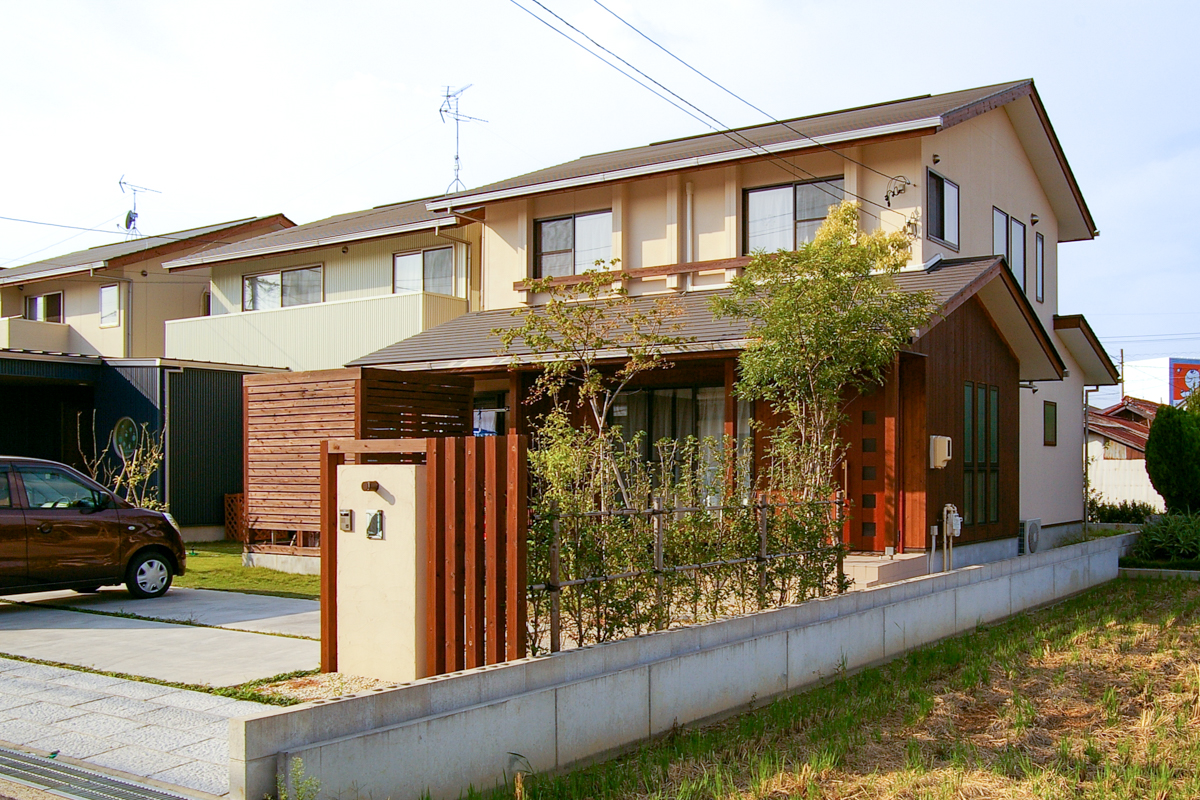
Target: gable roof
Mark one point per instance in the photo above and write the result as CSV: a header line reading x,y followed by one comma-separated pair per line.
x,y
1125,431
134,250
373,223
467,342
1135,407
914,116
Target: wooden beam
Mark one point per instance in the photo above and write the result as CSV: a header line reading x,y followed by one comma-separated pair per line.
x,y
518,520
435,524
329,633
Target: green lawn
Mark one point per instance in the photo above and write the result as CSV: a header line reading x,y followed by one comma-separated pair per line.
x,y
1096,697
218,565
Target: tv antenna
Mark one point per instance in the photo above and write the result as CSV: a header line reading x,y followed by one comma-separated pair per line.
x,y
450,109
131,229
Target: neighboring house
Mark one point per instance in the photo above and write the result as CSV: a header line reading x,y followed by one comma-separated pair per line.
x,y
1117,452
978,177
81,346
318,295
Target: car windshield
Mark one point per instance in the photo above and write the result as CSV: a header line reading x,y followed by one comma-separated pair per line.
x,y
50,488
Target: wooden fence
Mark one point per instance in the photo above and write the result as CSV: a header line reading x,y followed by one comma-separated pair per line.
x,y
288,415
476,528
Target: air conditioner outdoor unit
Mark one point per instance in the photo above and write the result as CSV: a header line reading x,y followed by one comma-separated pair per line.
x,y
1028,535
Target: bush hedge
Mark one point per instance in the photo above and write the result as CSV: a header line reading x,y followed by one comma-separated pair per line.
x,y
1125,512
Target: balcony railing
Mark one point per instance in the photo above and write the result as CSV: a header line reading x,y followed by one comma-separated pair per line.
x,y
18,333
317,336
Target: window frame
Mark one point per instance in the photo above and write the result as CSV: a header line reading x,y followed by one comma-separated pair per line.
x,y
42,297
536,266
1039,266
1007,235
793,186
1049,423
933,179
1023,277
981,460
280,272
455,290
116,323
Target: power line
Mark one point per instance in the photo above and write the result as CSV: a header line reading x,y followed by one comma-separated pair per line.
x,y
735,136
738,97
56,244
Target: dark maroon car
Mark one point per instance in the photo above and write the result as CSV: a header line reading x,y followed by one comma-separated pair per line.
x,y
61,530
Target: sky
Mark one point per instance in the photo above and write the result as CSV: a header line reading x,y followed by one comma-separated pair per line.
x,y
311,109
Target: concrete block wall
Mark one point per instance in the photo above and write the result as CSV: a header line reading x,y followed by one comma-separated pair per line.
x,y
475,728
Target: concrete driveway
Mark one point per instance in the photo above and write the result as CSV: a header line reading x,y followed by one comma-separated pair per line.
x,y
194,636
223,644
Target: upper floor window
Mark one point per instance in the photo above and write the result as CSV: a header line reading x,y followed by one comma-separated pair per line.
x,y
282,288
1008,240
942,200
784,217
572,245
110,306
1039,267
45,307
429,271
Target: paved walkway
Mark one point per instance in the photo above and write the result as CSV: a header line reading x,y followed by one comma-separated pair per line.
x,y
170,735
215,656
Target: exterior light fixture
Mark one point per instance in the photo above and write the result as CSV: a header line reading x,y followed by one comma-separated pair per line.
x,y
1034,219
936,158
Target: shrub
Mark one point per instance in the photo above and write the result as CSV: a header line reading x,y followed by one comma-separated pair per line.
x,y
1173,458
1126,512
1174,537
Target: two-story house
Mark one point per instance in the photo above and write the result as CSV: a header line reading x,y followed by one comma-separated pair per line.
x,y
81,346
318,295
980,181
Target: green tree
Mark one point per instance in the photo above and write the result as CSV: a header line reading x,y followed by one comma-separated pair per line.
x,y
1173,458
825,321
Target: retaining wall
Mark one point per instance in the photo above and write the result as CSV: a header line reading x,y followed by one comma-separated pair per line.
x,y
477,727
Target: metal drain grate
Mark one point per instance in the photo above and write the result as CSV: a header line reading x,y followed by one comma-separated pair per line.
x,y
71,781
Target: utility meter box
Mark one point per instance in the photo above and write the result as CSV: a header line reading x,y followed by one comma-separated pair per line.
x,y
940,451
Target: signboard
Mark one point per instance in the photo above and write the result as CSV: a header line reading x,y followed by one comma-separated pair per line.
x,y
1184,377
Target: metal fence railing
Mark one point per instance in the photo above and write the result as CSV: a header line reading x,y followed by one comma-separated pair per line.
x,y
621,572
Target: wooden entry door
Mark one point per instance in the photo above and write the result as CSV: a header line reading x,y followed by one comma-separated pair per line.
x,y
867,479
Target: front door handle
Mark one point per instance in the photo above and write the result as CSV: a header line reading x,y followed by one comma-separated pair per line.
x,y
44,527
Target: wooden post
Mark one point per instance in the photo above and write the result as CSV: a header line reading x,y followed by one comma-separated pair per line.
x,y
329,528
496,549
435,525
455,538
555,591
473,559
763,510
518,521
662,617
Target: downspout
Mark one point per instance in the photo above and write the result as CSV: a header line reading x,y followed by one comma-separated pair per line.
x,y
1086,478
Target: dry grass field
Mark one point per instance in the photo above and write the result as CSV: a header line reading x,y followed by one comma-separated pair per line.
x,y
1096,697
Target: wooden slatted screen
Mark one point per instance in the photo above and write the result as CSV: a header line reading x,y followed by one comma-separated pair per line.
x,y
288,415
477,526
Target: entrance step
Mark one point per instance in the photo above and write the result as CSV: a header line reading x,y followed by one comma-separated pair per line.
x,y
870,569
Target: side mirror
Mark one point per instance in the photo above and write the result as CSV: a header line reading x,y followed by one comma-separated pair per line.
x,y
101,502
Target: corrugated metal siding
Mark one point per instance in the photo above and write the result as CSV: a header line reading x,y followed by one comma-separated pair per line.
x,y
323,336
204,447
50,370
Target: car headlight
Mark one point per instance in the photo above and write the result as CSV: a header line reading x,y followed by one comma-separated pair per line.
x,y
174,524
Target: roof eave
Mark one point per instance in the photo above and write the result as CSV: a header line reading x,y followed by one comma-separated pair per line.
x,y
912,127
1085,348
194,262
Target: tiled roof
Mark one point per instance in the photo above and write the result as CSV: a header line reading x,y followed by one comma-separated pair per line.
x,y
925,112
381,221
1128,432
469,338
1143,409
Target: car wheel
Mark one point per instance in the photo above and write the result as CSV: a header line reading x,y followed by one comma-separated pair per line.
x,y
149,575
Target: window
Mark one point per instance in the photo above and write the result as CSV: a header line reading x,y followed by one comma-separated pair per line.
x,y
572,245
429,271
785,217
491,414
1050,424
981,454
282,289
1039,267
942,200
52,488
1000,234
1017,248
110,306
677,414
45,308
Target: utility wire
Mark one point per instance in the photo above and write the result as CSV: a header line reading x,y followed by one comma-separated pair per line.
x,y
720,128
739,98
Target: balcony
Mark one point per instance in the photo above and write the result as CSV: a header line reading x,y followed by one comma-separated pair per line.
x,y
18,333
318,336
